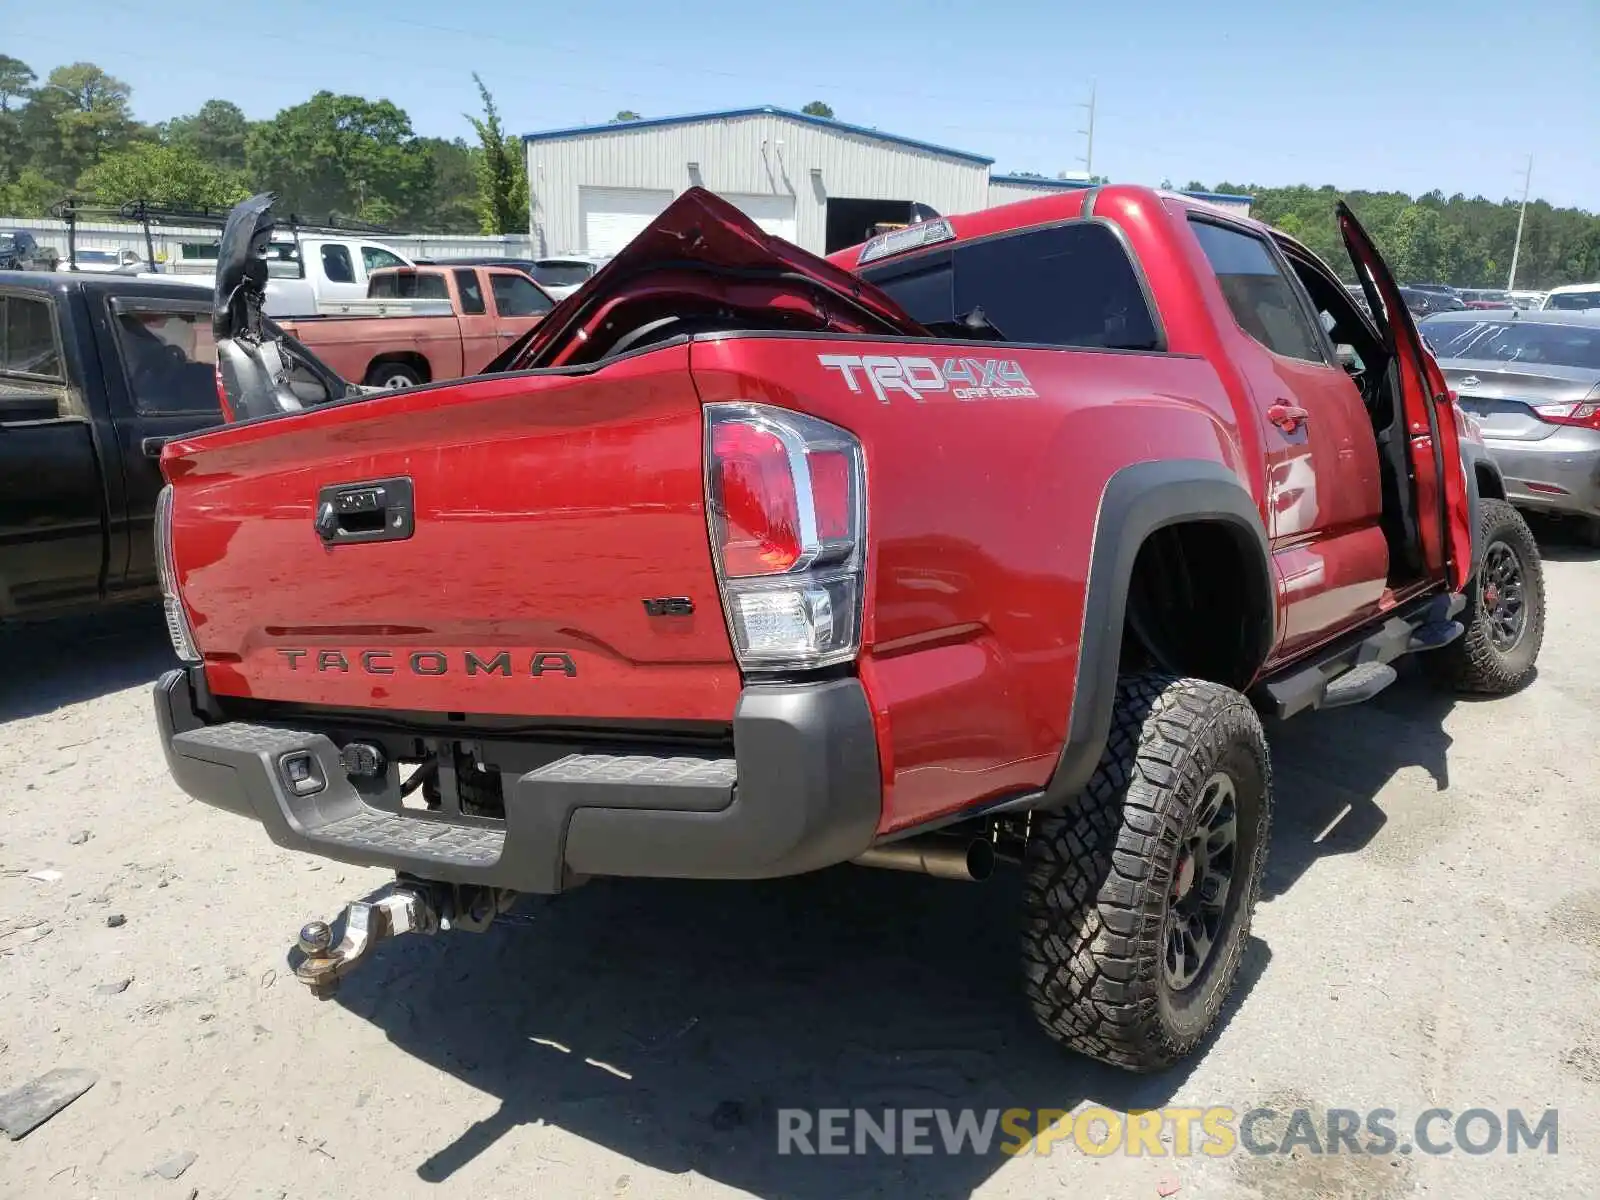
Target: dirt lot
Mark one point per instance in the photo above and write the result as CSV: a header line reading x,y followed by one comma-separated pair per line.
x,y
1430,936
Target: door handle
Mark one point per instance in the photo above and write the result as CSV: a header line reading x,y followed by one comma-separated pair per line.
x,y
152,446
1287,417
381,510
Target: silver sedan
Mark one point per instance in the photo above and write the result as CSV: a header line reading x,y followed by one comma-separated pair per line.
x,y
1531,381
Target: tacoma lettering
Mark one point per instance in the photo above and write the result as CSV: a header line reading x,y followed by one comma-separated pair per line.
x,y
433,663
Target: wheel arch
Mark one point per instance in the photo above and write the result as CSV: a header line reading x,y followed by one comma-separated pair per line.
x,y
1138,501
414,359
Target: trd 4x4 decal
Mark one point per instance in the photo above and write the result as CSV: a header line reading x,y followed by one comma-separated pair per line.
x,y
963,378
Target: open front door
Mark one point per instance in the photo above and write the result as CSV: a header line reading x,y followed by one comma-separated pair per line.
x,y
1432,438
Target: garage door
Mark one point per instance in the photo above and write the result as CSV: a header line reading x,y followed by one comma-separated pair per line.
x,y
613,217
775,214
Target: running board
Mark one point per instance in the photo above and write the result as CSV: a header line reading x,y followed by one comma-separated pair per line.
x,y
1357,669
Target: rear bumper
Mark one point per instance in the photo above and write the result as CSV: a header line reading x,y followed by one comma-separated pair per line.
x,y
1567,460
802,791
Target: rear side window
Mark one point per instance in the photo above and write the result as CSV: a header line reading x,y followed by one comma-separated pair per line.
x,y
31,378
336,264
408,285
516,296
1067,285
1261,297
471,292
169,358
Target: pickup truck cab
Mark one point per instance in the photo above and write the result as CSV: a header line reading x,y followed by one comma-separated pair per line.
x,y
96,372
986,541
426,324
304,270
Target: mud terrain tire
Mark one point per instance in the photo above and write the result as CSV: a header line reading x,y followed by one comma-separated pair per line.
x,y
1498,652
1111,884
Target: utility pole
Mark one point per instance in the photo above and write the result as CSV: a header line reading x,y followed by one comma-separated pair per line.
x,y
1088,157
1516,246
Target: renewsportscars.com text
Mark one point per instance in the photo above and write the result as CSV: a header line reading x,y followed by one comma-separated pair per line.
x,y
1177,1132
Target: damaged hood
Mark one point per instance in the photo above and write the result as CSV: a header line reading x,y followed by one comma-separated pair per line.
x,y
700,233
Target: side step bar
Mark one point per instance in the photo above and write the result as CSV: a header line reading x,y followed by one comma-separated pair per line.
x,y
1357,669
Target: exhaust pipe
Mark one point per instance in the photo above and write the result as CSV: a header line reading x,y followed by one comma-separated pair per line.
x,y
944,856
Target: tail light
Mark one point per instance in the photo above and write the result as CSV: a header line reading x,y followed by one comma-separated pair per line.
x,y
786,504
177,617
1584,413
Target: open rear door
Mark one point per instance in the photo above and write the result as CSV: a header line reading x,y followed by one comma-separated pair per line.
x,y
1432,438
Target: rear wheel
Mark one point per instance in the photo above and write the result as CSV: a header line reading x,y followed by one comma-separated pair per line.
x,y
393,375
1138,897
1505,611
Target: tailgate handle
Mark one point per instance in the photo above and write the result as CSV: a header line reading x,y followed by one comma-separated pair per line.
x,y
379,510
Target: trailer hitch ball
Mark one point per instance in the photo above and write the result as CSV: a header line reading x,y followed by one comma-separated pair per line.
x,y
366,923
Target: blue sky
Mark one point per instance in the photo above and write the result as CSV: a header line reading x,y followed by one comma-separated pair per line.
x,y
1452,94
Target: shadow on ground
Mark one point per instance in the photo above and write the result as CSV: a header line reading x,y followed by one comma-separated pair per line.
x,y
1561,540
1329,768
670,1022
52,663
724,1003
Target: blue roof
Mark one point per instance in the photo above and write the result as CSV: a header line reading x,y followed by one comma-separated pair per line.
x,y
1080,184
760,110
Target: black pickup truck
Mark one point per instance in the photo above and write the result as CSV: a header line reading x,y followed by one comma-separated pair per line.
x,y
96,371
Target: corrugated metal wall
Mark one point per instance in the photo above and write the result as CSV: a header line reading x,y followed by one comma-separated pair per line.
x,y
110,235
743,155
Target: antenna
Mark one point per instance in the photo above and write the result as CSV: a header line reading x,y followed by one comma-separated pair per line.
x,y
1088,156
1522,215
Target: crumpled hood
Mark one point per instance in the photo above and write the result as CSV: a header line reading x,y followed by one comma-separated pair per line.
x,y
696,232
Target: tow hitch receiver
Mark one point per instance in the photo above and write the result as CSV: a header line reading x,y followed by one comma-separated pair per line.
x,y
412,906
366,923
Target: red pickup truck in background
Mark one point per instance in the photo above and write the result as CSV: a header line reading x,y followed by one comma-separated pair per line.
x,y
478,312
985,541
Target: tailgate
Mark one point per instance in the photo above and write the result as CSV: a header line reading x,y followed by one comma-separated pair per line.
x,y
557,537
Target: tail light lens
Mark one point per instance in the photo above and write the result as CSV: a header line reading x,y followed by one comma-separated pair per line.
x,y
1571,412
177,617
786,504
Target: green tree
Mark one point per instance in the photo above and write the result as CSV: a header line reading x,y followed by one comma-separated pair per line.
x,y
16,85
77,116
502,172
30,194
818,109
216,133
451,204
626,114
171,176
16,81
340,156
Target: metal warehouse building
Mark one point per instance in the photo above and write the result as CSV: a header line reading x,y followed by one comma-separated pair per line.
x,y
820,183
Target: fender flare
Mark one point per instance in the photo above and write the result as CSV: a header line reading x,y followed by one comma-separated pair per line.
x,y
1475,457
1138,500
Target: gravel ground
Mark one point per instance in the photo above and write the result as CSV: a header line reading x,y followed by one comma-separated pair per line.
x,y
1429,936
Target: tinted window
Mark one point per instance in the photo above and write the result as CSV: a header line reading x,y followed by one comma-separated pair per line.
x,y
471,292
516,296
408,285
170,359
1572,301
1072,285
558,274
336,264
375,259
1262,300
30,339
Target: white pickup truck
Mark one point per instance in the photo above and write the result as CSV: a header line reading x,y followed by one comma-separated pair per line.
x,y
309,274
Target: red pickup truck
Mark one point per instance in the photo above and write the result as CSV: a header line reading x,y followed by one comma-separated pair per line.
x,y
482,310
985,541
